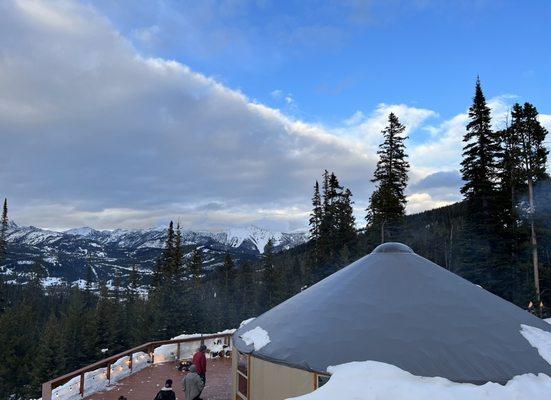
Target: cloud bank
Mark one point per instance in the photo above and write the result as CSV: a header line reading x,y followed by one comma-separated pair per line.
x,y
94,133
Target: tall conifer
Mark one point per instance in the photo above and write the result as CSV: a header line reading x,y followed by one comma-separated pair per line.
x,y
479,166
388,201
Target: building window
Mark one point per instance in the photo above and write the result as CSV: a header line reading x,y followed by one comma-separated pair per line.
x,y
242,376
322,380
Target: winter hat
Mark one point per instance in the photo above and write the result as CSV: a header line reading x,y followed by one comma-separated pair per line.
x,y
192,368
168,383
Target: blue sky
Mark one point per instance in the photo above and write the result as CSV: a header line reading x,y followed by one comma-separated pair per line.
x,y
126,114
335,57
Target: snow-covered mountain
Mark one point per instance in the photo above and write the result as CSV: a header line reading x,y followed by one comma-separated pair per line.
x,y
64,255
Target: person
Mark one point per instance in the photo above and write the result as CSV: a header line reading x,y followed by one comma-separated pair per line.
x,y
192,384
122,398
200,362
166,393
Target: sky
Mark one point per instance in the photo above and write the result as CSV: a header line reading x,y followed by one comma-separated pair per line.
x,y
126,114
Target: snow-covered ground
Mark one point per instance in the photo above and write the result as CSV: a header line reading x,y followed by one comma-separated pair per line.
x,y
372,380
96,381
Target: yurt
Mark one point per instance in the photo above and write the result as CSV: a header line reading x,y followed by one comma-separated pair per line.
x,y
391,306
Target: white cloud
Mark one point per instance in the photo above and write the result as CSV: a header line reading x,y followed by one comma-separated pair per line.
x,y
98,134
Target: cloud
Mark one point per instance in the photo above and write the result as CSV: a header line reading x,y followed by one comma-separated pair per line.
x,y
98,134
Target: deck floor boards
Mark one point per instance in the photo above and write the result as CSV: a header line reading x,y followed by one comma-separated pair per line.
x,y
145,384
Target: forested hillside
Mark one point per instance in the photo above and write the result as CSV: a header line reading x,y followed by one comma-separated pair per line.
x,y
499,237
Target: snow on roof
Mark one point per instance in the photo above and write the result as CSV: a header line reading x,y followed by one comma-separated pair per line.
x,y
257,337
539,339
373,380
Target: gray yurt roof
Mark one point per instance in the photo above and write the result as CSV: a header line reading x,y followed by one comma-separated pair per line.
x,y
396,307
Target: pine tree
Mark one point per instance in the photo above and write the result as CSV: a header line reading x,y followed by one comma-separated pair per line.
x,y
247,294
196,265
479,167
4,232
388,201
346,221
316,215
102,318
178,269
225,290
271,278
533,156
50,356
3,253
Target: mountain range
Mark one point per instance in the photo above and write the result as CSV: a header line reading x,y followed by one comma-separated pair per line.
x,y
64,256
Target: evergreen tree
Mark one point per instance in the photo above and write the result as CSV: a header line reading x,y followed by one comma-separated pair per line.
x,y
246,293
317,214
4,232
388,201
533,156
196,265
479,167
271,278
346,221
3,253
225,290
50,356
102,319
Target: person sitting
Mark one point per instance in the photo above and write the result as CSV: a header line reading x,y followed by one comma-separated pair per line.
x,y
166,393
192,384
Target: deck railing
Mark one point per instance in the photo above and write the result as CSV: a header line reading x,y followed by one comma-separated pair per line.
x,y
148,348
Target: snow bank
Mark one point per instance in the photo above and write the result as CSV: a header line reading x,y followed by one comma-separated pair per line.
x,y
373,380
539,339
258,337
168,352
96,381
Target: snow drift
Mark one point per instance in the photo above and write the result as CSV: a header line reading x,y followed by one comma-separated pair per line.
x,y
372,380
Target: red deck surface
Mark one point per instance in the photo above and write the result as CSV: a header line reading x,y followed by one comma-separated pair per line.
x,y
145,384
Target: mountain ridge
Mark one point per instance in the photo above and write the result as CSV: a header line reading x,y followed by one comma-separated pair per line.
x,y
64,255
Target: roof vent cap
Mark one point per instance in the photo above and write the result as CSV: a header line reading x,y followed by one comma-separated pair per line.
x,y
392,247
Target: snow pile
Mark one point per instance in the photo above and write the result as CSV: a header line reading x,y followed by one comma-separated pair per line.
x,y
168,352
96,381
373,380
258,337
539,339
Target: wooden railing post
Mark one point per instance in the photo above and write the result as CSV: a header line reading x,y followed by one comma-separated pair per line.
x,y
131,362
81,388
47,391
108,372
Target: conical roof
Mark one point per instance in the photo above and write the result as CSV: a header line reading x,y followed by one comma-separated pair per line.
x,y
397,307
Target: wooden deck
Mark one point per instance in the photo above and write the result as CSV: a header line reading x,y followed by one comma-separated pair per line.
x,y
145,384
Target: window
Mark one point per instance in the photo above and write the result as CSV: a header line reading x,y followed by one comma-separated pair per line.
x,y
242,376
322,380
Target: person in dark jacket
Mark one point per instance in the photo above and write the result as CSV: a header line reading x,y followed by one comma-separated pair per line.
x,y
166,393
200,362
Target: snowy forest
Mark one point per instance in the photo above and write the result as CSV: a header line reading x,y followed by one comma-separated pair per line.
x,y
499,237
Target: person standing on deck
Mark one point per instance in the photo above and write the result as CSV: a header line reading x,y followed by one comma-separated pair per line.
x,y
166,393
200,362
192,384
